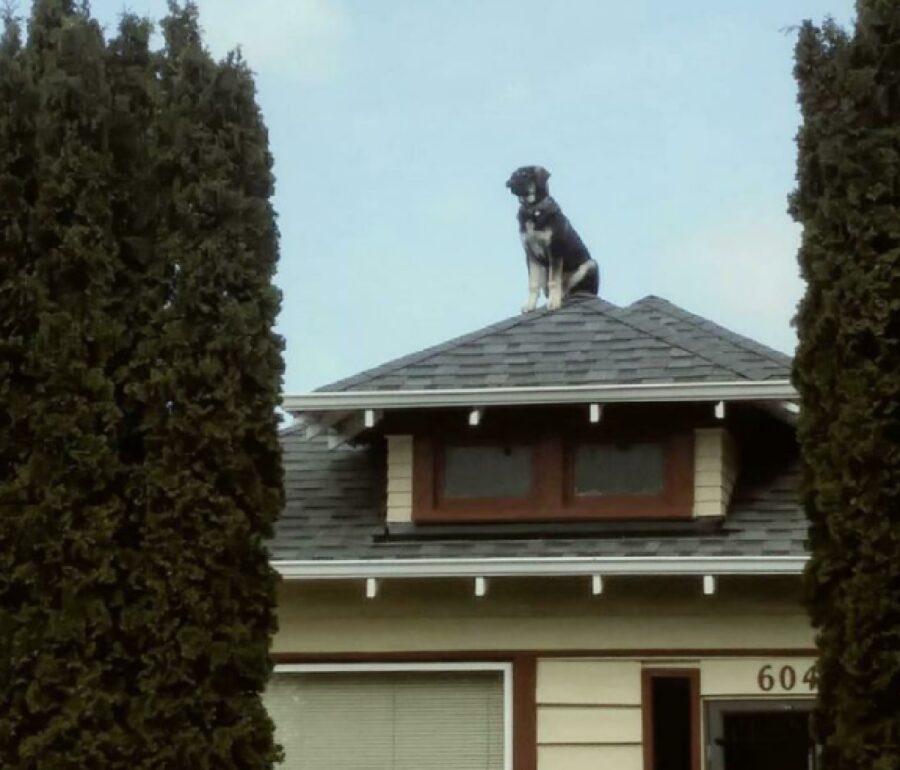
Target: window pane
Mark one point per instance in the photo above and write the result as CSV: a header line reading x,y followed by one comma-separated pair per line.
x,y
619,471
770,733
388,721
487,471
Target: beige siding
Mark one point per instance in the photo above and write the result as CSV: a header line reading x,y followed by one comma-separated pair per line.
x,y
592,682
740,677
589,713
399,478
715,471
590,758
321,635
546,614
588,724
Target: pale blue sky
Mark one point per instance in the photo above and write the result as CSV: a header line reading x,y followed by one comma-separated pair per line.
x,y
668,128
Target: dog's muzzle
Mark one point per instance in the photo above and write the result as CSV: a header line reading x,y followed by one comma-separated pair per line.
x,y
518,184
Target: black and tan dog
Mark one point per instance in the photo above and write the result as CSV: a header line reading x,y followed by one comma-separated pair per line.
x,y
558,261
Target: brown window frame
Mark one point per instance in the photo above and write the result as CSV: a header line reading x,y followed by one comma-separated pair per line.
x,y
552,497
675,501
647,677
429,502
503,503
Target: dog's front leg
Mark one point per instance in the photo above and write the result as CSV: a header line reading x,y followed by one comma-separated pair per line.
x,y
555,281
537,280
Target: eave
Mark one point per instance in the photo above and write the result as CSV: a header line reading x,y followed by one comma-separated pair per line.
x,y
343,415
441,398
564,566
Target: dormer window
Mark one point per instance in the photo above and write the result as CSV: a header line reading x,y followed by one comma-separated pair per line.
x,y
635,469
552,477
646,476
486,471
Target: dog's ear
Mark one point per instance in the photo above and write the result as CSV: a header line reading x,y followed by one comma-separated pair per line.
x,y
541,175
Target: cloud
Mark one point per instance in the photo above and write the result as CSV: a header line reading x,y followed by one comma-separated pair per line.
x,y
301,40
742,274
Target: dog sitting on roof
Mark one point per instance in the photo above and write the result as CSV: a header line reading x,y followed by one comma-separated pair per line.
x,y
558,261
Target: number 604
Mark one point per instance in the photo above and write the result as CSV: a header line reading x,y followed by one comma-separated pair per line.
x,y
785,677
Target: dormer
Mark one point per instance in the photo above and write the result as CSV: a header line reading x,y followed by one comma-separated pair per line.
x,y
592,415
639,462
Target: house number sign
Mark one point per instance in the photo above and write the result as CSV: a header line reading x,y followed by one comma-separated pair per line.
x,y
787,678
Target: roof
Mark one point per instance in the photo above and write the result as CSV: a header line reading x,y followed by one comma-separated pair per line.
x,y
335,498
587,341
335,510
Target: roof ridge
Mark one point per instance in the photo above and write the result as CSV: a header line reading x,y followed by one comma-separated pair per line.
x,y
700,322
666,337
652,319
433,350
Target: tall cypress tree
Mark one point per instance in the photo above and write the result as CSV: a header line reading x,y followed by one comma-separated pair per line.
x,y
17,112
139,464
212,461
141,281
62,506
17,325
847,371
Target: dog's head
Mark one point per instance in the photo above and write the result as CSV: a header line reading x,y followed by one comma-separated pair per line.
x,y
529,183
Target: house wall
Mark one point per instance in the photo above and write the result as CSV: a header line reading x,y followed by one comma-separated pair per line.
x,y
588,652
544,614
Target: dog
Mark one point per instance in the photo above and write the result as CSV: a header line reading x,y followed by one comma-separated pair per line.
x,y
558,261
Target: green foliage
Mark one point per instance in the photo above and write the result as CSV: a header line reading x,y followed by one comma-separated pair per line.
x,y
17,111
847,370
140,470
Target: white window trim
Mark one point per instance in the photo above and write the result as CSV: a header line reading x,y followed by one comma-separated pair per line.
x,y
349,668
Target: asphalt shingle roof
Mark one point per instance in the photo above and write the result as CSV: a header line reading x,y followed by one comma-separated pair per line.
x,y
587,341
335,510
335,498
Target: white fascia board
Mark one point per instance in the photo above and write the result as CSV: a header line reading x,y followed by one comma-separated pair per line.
x,y
321,569
740,390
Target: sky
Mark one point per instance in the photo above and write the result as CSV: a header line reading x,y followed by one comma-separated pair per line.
x,y
668,128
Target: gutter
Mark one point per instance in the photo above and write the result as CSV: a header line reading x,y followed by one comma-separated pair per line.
x,y
562,566
740,390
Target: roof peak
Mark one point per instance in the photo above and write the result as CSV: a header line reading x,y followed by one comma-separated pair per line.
x,y
589,340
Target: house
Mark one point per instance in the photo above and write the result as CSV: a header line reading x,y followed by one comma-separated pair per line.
x,y
567,541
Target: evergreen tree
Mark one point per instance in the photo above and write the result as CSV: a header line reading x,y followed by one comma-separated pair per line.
x,y
847,371
61,504
212,460
17,323
140,470
17,111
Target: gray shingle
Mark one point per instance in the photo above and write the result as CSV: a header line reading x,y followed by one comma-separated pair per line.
x,y
587,341
335,499
335,510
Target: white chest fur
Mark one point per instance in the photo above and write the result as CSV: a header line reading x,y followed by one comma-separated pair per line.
x,y
535,240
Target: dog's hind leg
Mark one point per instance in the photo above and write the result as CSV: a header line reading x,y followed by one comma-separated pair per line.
x,y
537,280
585,269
